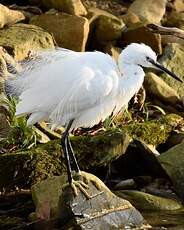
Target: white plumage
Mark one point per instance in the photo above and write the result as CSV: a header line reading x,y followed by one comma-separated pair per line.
x,y
62,85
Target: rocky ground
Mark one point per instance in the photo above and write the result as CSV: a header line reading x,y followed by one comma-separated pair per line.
x,y
139,155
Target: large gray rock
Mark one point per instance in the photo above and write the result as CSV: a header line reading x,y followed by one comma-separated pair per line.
x,y
173,163
103,210
9,17
172,58
19,39
148,11
65,28
68,6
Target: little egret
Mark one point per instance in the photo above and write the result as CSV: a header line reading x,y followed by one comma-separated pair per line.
x,y
80,89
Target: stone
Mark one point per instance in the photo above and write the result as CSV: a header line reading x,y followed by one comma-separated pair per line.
x,y
175,138
9,17
146,201
175,19
172,162
148,11
178,5
48,190
131,19
4,125
19,39
27,167
47,160
172,59
65,28
142,34
113,51
73,7
138,160
108,29
102,209
158,89
105,26
152,132
126,184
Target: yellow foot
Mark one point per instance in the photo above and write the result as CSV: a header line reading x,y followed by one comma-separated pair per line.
x,y
90,178
78,183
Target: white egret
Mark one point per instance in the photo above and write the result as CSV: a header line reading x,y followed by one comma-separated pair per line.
x,y
80,89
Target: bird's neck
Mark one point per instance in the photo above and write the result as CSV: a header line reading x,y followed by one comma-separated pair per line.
x,y
131,79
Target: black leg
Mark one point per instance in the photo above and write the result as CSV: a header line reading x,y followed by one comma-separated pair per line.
x,y
72,156
65,151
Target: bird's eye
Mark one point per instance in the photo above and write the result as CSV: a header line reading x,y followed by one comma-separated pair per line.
x,y
148,59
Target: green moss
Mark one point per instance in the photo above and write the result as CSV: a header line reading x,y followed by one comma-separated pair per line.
x,y
7,222
23,169
151,132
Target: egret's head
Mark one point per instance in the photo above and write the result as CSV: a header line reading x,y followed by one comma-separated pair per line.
x,y
144,56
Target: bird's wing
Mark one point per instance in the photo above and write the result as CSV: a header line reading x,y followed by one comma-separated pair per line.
x,y
40,58
89,89
37,62
69,86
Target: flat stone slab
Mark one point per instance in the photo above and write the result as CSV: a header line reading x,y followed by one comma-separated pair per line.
x,y
104,210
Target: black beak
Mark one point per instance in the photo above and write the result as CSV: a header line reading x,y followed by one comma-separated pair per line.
x,y
162,68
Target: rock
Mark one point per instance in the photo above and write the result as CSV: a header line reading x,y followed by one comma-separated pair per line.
x,y
65,28
174,139
126,184
131,19
149,11
19,39
8,65
104,27
178,5
143,35
100,150
48,191
175,19
68,6
112,6
47,160
159,90
9,17
113,51
4,125
138,160
172,59
103,209
173,163
151,132
27,167
108,29
145,201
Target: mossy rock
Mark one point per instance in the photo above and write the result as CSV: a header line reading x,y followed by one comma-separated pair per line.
x,y
27,167
145,201
24,168
152,132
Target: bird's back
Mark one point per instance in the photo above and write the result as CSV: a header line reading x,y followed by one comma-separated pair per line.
x,y
64,83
